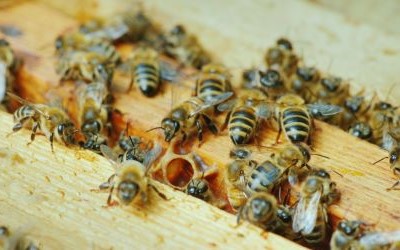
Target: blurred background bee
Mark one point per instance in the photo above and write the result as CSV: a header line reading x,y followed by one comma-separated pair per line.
x,y
52,121
184,47
16,240
282,56
9,65
132,177
304,81
245,115
94,114
190,116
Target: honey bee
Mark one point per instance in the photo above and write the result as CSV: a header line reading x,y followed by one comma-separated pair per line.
x,y
189,116
282,55
272,82
304,82
332,90
185,48
8,67
262,210
213,80
199,188
382,116
146,71
267,175
245,115
235,177
132,177
53,122
361,130
354,110
351,235
310,216
93,113
294,116
85,66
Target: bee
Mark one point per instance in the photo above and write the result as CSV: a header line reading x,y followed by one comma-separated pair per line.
x,y
189,116
310,216
361,130
294,116
262,210
267,175
272,82
199,188
355,109
185,48
132,177
8,67
282,55
53,122
304,82
93,113
382,116
213,80
351,235
236,173
245,115
85,66
332,90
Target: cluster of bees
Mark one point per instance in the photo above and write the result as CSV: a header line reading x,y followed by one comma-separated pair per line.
x,y
285,95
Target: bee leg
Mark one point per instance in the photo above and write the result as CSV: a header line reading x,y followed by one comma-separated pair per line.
x,y
239,215
110,202
394,186
158,192
34,129
278,135
51,142
199,130
211,125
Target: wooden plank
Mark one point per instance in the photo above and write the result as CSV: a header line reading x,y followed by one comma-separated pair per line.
x,y
51,191
363,185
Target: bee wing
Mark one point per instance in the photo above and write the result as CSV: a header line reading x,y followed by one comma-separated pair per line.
x,y
264,110
292,177
170,73
323,110
112,32
226,105
379,239
216,100
25,102
3,81
305,214
109,154
151,156
388,141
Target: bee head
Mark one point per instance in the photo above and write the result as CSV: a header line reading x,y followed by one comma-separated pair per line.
x,y
350,228
331,83
383,106
170,127
284,43
91,127
261,209
67,131
178,30
127,191
353,104
59,43
284,215
361,130
197,188
307,74
4,231
394,155
271,79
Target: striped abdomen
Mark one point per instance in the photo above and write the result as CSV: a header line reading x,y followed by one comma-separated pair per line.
x,y
296,123
210,86
147,77
264,177
242,124
318,234
236,197
24,113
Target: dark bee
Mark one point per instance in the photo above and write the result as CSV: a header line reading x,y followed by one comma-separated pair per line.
x,y
213,80
283,56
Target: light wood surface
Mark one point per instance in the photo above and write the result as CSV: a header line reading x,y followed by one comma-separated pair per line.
x,y
236,36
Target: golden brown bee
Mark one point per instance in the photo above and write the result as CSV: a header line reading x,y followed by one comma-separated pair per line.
x,y
236,173
286,164
355,109
262,210
352,235
382,116
93,113
294,116
245,115
213,80
53,122
304,83
185,48
310,216
282,55
85,66
132,177
189,116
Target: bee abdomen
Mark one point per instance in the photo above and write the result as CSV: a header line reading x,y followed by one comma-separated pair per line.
x,y
317,235
236,197
242,125
147,77
210,87
296,123
264,177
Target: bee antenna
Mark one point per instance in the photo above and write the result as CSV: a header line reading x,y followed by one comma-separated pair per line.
x,y
324,156
379,160
154,129
130,138
336,172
